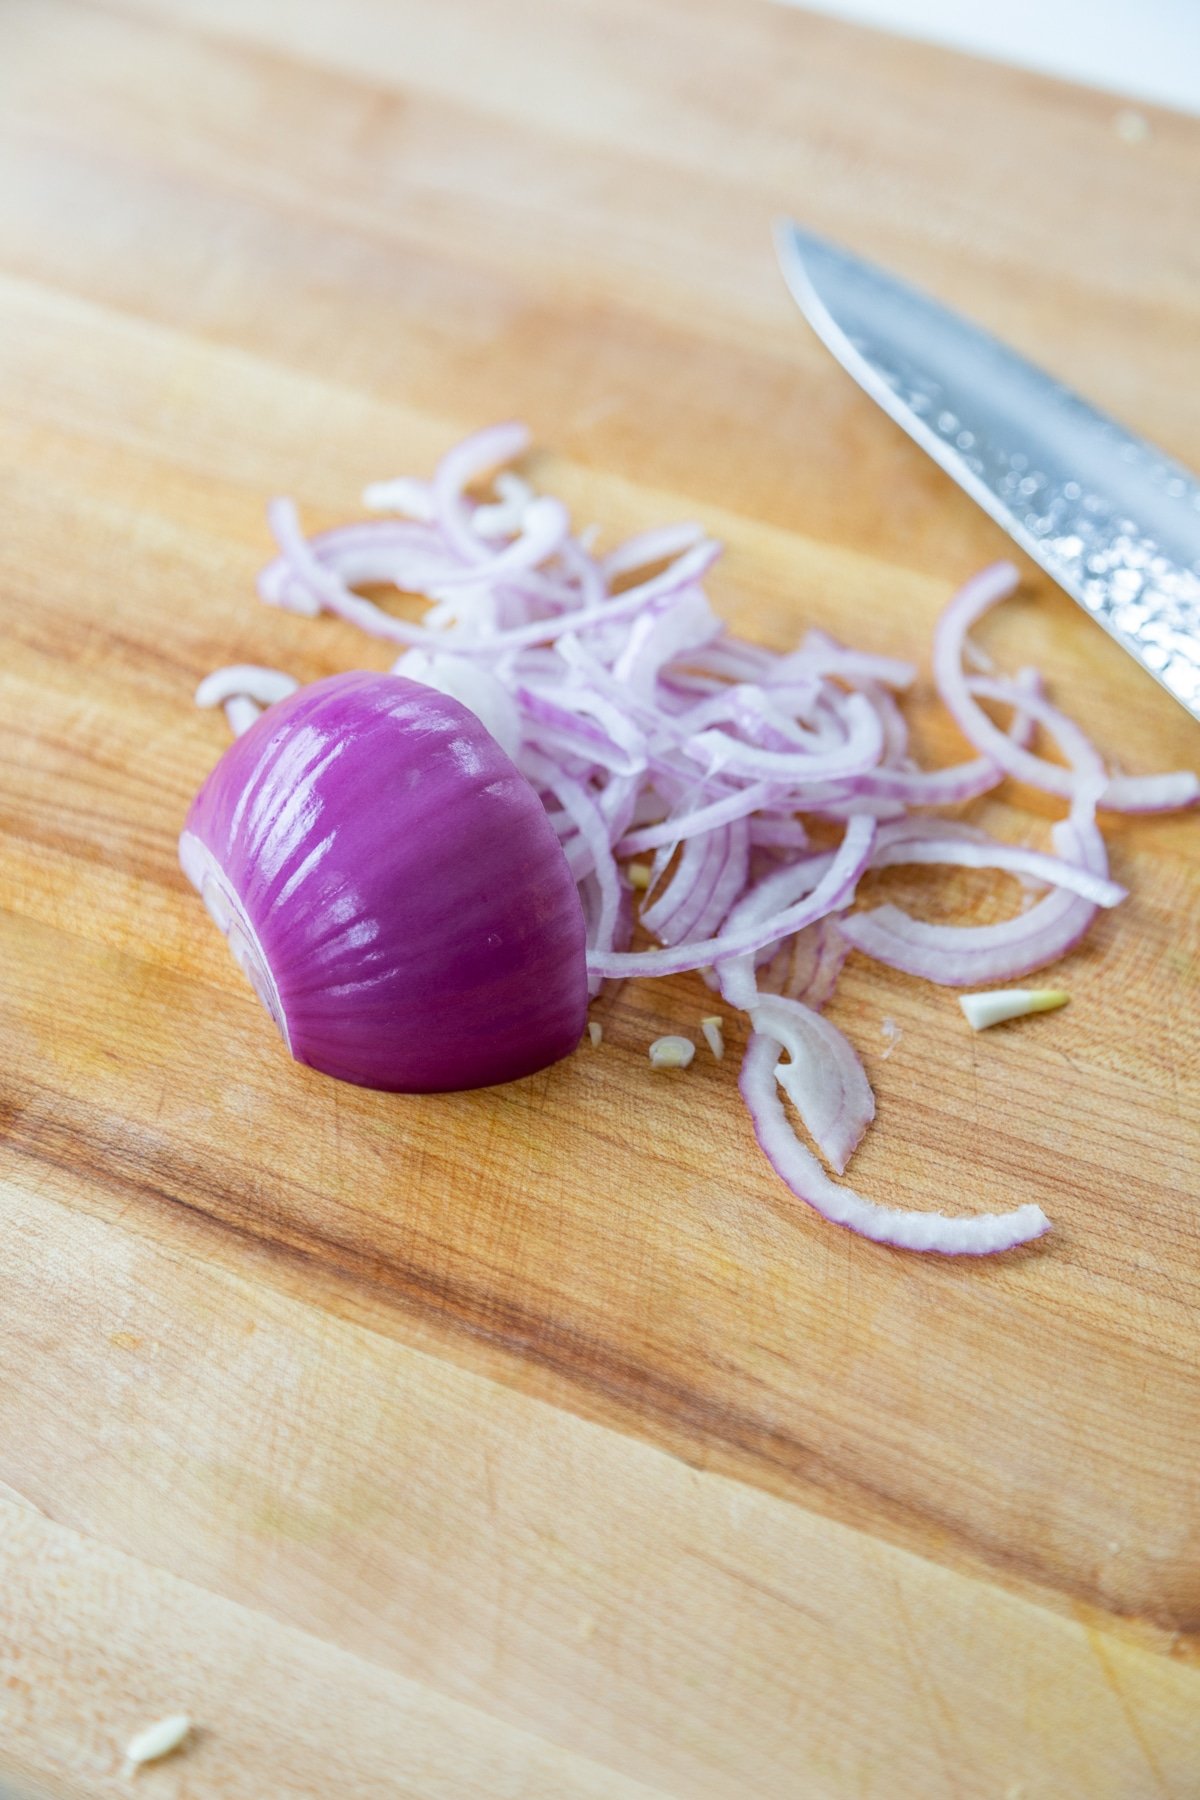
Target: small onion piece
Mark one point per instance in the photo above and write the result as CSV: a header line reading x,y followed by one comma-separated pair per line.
x,y
393,889
157,1740
250,680
241,713
982,1010
403,495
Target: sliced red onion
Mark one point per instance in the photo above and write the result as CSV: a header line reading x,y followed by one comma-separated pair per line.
x,y
861,750
660,544
241,713
941,787
777,833
831,892
465,463
592,902
823,1077
731,659
250,680
476,687
588,820
1123,793
702,818
736,976
962,955
1014,858
370,554
657,638
1169,792
668,916
332,844
544,528
823,655
403,495
504,520
807,966
737,981
759,722
895,725
617,745
983,1235
328,590
243,690
643,725
414,557
780,890
711,874
407,555
581,574
618,803
731,880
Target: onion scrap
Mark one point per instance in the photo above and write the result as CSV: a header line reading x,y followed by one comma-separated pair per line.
x,y
647,728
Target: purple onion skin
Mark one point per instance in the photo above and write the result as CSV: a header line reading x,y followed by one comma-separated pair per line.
x,y
408,896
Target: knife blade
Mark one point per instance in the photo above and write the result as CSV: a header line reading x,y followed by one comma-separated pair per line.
x,y
1115,521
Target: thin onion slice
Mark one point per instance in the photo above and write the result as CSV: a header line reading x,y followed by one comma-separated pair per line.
x,y
822,1077
962,955
967,853
1121,794
241,713
983,1235
832,891
248,681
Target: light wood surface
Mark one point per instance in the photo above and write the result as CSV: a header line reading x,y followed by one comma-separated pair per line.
x,y
532,1442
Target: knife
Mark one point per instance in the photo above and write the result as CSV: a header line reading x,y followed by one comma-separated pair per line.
x,y
1115,521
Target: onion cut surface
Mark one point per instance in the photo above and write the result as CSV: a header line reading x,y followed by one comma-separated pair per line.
x,y
645,728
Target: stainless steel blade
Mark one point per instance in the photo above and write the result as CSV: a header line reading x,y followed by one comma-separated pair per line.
x,y
1113,520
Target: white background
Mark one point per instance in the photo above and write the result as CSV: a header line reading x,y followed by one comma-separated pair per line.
x,y
1146,49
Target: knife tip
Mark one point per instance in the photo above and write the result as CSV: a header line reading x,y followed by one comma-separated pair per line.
x,y
794,247
803,254
785,231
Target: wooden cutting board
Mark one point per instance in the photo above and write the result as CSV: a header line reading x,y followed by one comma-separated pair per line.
x,y
534,1442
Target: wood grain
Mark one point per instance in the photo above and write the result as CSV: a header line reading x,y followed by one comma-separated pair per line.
x,y
275,1710
546,1404
676,1626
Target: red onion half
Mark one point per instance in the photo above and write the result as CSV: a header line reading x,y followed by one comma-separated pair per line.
x,y
391,886
419,911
